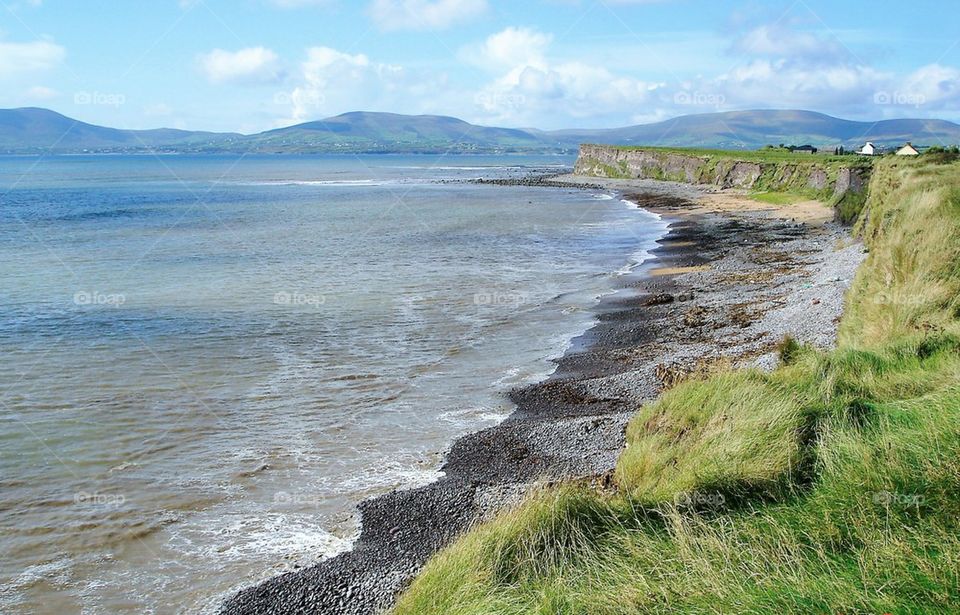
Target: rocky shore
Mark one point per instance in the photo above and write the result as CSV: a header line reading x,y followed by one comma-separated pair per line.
x,y
728,282
551,180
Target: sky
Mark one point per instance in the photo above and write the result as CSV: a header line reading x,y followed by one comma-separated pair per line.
x,y
252,65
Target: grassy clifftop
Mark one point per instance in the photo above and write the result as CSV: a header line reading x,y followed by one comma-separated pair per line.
x,y
839,181
829,485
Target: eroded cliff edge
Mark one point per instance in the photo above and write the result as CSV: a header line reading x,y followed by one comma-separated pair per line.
x,y
837,180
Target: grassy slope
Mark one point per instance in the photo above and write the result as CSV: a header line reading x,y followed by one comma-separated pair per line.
x,y
830,485
778,198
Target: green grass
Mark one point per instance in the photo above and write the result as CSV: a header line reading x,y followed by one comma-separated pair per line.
x,y
831,485
778,198
759,155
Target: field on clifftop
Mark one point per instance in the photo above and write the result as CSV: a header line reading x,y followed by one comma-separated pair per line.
x,y
831,485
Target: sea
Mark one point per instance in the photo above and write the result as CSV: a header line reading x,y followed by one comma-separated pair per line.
x,y
207,362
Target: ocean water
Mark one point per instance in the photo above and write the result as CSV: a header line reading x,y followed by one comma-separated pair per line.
x,y
207,362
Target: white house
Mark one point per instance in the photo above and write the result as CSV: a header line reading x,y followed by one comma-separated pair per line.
x,y
908,150
868,150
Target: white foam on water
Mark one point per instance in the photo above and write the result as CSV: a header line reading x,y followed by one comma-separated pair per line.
x,y
252,535
637,259
393,474
12,596
476,417
643,255
57,570
291,540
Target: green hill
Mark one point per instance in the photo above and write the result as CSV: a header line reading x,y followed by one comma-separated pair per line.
x,y
41,130
392,132
754,129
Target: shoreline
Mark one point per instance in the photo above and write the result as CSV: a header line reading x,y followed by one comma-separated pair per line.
x,y
729,283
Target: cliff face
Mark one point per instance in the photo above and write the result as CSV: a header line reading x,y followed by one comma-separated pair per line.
x,y
842,185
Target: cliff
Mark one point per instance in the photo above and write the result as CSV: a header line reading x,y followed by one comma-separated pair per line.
x,y
837,180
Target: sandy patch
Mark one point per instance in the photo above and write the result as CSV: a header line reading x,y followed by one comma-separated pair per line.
x,y
677,270
809,212
710,199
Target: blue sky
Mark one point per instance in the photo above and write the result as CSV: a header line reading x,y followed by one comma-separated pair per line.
x,y
251,65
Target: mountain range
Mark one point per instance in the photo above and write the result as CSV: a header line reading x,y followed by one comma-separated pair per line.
x,y
34,130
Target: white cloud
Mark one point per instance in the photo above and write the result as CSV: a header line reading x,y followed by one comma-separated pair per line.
x,y
933,85
536,95
516,47
254,65
333,81
424,14
782,42
778,66
782,82
529,87
29,57
41,92
519,77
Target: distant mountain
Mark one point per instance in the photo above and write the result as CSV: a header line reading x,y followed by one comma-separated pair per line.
x,y
753,129
392,132
41,130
